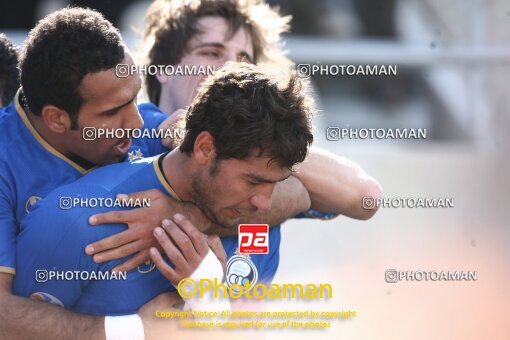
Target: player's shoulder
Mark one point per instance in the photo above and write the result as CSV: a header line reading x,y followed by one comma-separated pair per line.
x,y
148,107
56,205
102,181
10,124
57,218
57,230
151,112
111,176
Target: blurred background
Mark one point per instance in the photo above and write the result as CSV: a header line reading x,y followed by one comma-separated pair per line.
x,y
453,68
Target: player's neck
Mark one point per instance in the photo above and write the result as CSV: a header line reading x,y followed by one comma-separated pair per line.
x,y
53,139
167,104
177,173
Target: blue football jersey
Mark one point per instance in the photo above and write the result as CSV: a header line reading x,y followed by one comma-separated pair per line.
x,y
260,268
30,168
56,240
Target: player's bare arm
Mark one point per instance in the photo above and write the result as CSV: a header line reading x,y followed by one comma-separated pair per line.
x,y
22,318
138,237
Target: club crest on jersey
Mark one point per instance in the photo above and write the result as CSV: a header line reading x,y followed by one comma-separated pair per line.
x,y
45,297
134,155
241,270
147,267
31,201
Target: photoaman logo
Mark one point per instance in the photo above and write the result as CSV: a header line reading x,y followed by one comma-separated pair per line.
x,y
253,238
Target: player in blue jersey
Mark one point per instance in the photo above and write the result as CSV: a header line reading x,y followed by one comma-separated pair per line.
x,y
67,232
42,144
245,132
30,168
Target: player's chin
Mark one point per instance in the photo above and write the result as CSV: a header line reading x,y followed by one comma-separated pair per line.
x,y
230,221
222,219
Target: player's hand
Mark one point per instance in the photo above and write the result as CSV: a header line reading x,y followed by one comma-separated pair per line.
x,y
185,246
176,123
138,238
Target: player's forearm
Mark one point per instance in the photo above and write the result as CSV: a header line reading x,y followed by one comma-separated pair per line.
x,y
336,184
22,318
289,199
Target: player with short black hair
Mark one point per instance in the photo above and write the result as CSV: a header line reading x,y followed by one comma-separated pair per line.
x,y
52,75
42,144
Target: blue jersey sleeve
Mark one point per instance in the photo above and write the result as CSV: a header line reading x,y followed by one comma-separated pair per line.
x,y
8,228
311,213
269,270
50,253
152,118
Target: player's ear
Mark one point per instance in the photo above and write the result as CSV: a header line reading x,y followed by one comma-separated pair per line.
x,y
162,78
204,150
56,119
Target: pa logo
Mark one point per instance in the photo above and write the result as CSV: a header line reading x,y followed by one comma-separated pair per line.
x,y
253,238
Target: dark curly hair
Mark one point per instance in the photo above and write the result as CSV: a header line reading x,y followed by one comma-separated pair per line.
x,y
60,51
249,108
9,75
